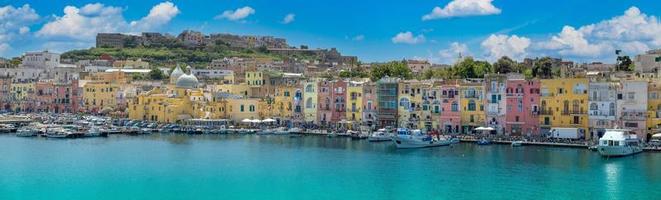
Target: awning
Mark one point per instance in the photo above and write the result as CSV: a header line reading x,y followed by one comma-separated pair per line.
x,y
658,135
246,120
484,129
268,120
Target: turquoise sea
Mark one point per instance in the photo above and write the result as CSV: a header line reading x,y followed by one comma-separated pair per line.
x,y
313,167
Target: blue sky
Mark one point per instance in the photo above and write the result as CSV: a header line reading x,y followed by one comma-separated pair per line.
x,y
373,30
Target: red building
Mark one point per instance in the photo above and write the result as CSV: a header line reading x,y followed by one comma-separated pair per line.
x,y
324,95
56,97
522,114
339,101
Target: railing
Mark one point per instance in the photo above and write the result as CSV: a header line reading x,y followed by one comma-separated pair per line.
x,y
634,115
573,112
546,112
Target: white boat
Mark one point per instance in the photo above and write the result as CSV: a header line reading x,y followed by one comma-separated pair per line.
x,y
380,136
406,139
619,142
517,143
96,132
295,130
27,132
280,131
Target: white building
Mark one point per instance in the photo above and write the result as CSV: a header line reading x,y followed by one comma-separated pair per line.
x,y
44,59
632,106
602,106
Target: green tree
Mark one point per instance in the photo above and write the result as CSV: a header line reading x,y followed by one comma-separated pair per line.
x,y
543,68
504,65
392,69
156,74
624,63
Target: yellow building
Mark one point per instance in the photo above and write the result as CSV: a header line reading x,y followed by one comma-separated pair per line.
x,y
564,104
20,91
242,108
410,109
472,105
242,89
100,95
185,101
654,107
255,78
354,102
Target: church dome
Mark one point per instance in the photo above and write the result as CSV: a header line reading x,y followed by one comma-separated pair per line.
x,y
176,73
187,81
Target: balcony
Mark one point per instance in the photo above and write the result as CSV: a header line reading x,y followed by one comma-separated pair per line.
x,y
573,112
546,112
634,115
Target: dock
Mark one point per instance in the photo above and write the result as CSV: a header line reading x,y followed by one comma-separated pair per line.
x,y
527,143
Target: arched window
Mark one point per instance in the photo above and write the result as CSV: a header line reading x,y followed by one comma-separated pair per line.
x,y
404,102
576,106
593,106
309,88
565,107
471,105
308,102
455,106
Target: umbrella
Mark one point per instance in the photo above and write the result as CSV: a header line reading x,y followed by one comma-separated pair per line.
x,y
657,135
484,129
246,120
268,120
255,121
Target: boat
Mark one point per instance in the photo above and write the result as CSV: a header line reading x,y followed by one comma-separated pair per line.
x,y
619,142
517,143
27,132
483,142
295,130
280,131
380,135
406,139
7,128
455,140
357,135
59,133
95,132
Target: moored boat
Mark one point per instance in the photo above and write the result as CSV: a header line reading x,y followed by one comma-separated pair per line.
x,y
619,142
517,143
380,135
27,132
483,142
406,139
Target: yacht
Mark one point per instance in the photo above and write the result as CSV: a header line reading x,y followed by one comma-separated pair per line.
x,y
619,142
380,136
406,139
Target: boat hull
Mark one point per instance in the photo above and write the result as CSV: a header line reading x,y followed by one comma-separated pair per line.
x,y
406,143
618,151
379,139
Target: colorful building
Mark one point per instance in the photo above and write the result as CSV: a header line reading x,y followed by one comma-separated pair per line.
x,y
564,104
57,97
632,106
100,96
386,91
495,101
522,107
472,104
369,105
354,103
654,107
602,102
324,110
310,101
450,116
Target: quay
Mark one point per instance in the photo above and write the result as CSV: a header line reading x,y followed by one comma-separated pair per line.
x,y
553,144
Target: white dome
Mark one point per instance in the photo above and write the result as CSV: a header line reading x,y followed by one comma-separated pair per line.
x,y
176,73
187,81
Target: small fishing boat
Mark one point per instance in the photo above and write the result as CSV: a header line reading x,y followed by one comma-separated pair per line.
x,y
7,128
517,143
406,139
455,140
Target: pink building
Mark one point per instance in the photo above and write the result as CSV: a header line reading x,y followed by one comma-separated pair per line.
x,y
339,101
450,112
56,97
369,104
324,109
522,113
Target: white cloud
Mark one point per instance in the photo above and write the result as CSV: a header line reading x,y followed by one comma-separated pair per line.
x,y
461,8
408,38
633,32
238,14
289,18
358,38
496,46
15,21
82,24
452,53
158,16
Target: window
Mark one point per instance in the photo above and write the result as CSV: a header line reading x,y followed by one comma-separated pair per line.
x,y
308,102
241,108
404,102
565,106
455,106
471,105
631,95
251,108
593,106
